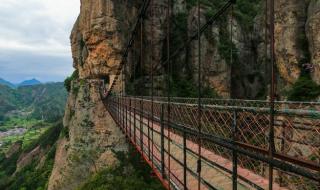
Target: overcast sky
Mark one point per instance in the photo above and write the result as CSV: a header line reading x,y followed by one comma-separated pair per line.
x,y
34,39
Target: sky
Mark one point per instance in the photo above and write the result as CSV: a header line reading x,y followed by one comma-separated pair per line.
x,y
34,39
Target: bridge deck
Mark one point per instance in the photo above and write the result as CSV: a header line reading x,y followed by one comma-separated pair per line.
x,y
212,176
153,143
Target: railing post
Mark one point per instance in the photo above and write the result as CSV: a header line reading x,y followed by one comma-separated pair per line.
x,y
127,134
149,148
184,160
162,139
141,126
152,130
134,123
272,92
130,111
123,114
234,153
118,112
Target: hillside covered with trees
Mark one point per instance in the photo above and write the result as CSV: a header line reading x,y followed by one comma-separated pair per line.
x,y
44,101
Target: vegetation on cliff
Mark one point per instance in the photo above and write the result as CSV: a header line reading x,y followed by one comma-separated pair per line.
x,y
132,173
36,172
68,80
45,101
304,89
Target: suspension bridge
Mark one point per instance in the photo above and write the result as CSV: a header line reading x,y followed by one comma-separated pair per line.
x,y
204,143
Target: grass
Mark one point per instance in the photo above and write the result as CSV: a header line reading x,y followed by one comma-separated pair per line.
x,y
27,123
305,89
35,128
26,138
32,176
68,80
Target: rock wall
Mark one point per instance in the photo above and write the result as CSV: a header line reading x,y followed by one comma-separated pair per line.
x,y
312,30
216,70
290,22
297,40
90,135
99,36
89,139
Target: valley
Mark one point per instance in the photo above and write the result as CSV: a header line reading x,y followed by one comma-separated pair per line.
x,y
20,129
30,124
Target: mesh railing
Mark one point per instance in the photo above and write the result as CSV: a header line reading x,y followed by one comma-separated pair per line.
x,y
228,132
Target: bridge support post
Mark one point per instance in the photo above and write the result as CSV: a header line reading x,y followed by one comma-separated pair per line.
x,y
162,140
127,131
119,117
118,112
184,160
130,116
134,123
123,115
141,126
234,153
149,147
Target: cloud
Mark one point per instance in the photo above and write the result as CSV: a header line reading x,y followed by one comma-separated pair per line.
x,y
26,66
34,30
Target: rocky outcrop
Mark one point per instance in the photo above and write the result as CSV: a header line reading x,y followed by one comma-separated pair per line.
x,y
215,68
99,35
312,30
91,139
27,158
90,135
15,148
290,19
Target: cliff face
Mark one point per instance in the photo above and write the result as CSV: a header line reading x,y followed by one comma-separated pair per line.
x,y
297,41
312,30
296,50
290,22
99,36
248,76
90,136
216,69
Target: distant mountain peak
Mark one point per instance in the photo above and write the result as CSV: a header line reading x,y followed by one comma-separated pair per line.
x,y
6,83
30,82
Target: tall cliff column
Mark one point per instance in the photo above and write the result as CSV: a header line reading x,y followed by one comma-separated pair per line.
x,y
90,135
289,33
313,29
215,69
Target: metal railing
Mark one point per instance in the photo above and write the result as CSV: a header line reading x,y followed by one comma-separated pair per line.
x,y
234,142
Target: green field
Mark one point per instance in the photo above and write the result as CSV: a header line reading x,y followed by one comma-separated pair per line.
x,y
34,128
16,122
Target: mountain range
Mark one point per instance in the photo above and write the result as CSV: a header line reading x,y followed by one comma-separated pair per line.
x,y
30,82
42,101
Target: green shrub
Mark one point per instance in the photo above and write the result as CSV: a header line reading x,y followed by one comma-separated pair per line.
x,y
48,138
31,176
65,132
131,174
68,80
305,89
8,165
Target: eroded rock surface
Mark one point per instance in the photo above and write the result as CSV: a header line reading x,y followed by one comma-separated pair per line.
x,y
99,36
90,135
313,33
289,27
90,138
